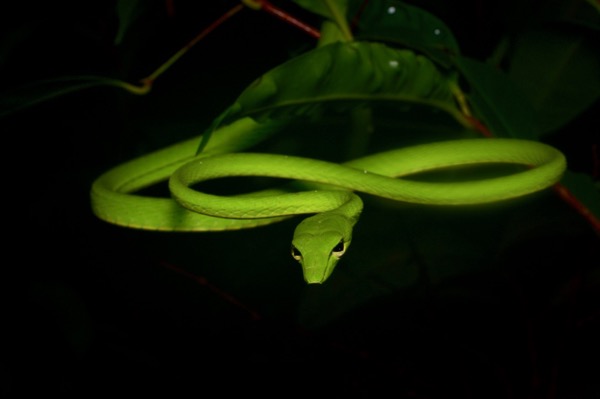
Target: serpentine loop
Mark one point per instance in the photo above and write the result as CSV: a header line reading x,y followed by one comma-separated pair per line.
x,y
321,239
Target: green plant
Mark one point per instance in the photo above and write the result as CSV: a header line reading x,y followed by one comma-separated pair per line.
x,y
420,255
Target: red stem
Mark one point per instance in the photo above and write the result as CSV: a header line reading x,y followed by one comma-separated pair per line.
x,y
290,19
254,315
234,10
570,199
559,188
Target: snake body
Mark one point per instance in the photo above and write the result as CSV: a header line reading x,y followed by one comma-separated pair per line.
x,y
321,239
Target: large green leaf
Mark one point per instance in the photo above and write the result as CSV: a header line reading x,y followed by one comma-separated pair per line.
x,y
392,21
497,101
558,72
339,77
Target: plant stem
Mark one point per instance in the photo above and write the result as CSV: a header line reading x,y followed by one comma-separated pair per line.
x,y
282,15
147,81
339,19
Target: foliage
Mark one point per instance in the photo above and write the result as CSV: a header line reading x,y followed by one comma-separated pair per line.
x,y
420,286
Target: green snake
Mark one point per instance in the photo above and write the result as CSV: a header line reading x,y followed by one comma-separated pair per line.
x,y
320,240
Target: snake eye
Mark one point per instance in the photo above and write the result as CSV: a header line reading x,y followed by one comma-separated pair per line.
x,y
339,249
296,254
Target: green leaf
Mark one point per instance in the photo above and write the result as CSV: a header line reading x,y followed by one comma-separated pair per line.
x,y
497,101
340,77
392,21
558,72
37,92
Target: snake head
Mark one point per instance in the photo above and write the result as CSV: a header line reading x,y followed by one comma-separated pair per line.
x,y
318,244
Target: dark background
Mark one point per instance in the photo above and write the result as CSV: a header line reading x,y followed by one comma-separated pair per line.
x,y
491,301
